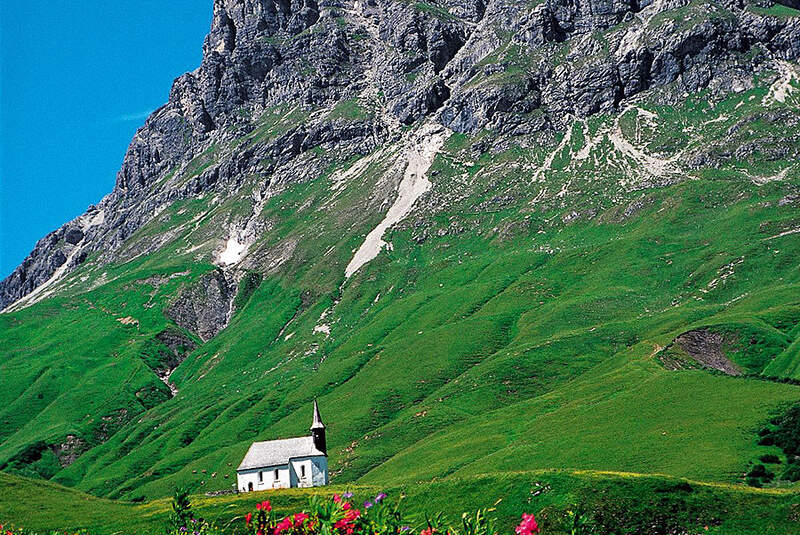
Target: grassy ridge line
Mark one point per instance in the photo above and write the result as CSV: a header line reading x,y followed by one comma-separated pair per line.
x,y
41,505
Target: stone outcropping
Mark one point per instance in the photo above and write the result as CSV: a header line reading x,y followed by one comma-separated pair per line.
x,y
509,66
204,307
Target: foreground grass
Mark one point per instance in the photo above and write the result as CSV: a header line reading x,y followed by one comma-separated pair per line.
x,y
629,501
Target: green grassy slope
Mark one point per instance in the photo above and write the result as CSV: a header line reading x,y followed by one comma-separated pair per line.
x,y
486,338
516,323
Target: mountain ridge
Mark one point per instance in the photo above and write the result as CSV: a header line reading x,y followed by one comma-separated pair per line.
x,y
247,62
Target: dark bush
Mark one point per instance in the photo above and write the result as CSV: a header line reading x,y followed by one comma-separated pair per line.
x,y
787,434
758,470
754,482
769,458
759,474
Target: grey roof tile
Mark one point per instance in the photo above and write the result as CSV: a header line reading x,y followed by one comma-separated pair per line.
x,y
278,452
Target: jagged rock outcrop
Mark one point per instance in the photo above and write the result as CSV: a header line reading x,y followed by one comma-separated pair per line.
x,y
469,64
204,307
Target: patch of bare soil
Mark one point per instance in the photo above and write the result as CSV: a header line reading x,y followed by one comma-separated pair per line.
x,y
707,348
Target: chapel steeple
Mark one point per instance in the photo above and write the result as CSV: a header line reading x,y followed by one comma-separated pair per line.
x,y
318,431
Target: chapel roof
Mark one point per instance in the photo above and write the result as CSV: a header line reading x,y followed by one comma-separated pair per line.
x,y
278,452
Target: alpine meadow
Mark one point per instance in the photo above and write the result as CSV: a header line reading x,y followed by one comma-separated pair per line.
x,y
528,256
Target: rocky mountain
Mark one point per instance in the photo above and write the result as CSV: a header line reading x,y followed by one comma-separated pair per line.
x,y
516,68
437,217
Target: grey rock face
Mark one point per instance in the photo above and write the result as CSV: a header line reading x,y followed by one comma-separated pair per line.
x,y
469,64
73,236
204,307
69,451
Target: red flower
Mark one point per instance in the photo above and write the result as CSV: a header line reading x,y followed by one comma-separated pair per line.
x,y
260,532
299,518
352,515
346,506
337,498
258,507
248,517
283,525
528,526
266,506
429,531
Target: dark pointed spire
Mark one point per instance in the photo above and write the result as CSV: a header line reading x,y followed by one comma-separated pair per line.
x,y
318,431
317,423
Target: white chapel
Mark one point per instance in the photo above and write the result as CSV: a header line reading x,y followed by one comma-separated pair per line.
x,y
286,463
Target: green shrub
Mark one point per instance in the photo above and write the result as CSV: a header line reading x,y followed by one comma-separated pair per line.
x,y
787,434
760,474
766,441
181,511
792,473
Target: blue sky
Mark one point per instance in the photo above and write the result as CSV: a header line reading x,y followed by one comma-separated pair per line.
x,y
77,78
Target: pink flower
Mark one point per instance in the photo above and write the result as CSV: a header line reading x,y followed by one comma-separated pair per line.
x,y
248,517
299,518
528,526
337,498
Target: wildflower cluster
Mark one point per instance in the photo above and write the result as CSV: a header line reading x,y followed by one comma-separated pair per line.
x,y
337,516
528,526
376,516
